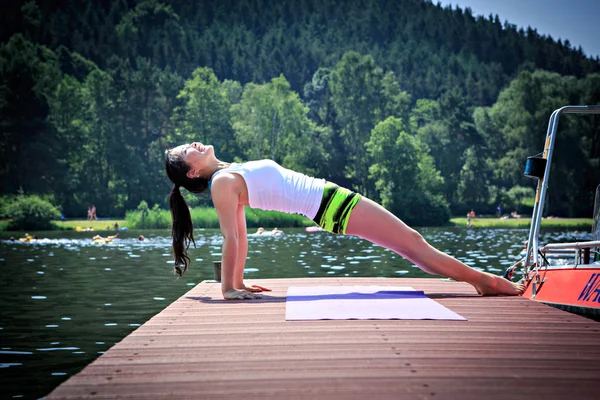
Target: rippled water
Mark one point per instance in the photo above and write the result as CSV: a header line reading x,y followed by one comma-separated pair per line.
x,y
65,300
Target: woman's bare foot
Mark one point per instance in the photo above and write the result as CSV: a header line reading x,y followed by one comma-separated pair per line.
x,y
235,294
493,285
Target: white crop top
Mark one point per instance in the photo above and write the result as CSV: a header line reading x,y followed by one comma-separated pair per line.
x,y
272,187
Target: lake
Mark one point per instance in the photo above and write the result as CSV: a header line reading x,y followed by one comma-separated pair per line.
x,y
66,300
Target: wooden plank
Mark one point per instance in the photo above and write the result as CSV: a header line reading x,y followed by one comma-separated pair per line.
x,y
203,347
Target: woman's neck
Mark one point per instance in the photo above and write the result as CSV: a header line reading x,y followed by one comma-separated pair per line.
x,y
216,166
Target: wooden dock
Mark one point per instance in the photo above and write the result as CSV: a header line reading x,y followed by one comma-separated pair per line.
x,y
203,347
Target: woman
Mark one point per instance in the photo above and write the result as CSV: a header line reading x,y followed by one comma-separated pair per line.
x,y
266,185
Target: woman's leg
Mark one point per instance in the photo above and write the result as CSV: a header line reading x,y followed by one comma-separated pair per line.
x,y
374,223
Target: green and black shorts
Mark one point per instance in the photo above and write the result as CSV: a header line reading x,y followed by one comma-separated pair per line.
x,y
336,207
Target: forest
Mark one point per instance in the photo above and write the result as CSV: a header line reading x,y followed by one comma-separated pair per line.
x,y
430,110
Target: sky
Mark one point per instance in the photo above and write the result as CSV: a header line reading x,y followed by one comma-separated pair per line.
x,y
576,20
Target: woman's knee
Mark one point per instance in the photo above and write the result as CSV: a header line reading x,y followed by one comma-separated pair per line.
x,y
414,244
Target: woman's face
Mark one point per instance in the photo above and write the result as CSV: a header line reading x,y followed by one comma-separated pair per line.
x,y
196,155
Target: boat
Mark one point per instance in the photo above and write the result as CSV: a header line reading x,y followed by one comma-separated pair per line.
x,y
565,275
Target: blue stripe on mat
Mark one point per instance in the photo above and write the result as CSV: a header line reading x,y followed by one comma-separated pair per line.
x,y
380,295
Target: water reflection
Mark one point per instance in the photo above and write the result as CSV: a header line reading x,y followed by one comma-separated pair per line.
x,y
65,299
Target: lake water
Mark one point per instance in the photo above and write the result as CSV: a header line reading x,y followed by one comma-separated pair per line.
x,y
65,300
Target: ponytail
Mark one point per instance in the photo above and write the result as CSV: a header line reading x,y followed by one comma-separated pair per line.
x,y
182,230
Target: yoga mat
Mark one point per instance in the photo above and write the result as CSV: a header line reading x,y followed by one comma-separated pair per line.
x,y
362,302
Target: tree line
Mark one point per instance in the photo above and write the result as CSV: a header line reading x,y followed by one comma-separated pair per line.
x,y
430,111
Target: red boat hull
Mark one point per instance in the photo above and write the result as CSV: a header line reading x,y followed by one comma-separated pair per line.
x,y
571,287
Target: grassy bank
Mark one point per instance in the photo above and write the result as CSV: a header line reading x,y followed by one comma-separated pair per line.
x,y
206,217
202,217
101,225
567,223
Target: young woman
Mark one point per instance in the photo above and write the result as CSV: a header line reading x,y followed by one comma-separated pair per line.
x,y
266,185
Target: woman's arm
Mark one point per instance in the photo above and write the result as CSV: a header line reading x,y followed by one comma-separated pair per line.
x,y
243,254
238,280
226,203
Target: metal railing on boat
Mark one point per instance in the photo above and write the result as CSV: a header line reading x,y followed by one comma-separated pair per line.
x,y
581,251
532,261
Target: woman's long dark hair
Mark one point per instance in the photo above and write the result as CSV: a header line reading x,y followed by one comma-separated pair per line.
x,y
182,229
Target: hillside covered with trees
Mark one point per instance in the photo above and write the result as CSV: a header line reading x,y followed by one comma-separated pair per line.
x,y
428,110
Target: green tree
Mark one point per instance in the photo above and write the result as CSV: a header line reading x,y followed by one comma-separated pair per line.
x,y
317,95
271,122
145,102
204,115
152,30
30,212
362,96
515,128
355,89
28,75
474,185
394,102
405,177
517,194
68,116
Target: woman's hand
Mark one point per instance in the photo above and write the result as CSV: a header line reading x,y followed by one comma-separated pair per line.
x,y
255,288
236,294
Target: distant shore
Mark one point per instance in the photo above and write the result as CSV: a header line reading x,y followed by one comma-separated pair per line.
x,y
97,225
570,223
483,222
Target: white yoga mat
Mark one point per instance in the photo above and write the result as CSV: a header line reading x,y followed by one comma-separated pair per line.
x,y
362,302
